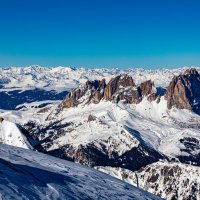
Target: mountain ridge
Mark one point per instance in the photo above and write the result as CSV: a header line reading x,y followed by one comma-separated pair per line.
x,y
119,122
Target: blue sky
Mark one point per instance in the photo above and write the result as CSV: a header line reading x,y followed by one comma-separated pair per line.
x,y
102,33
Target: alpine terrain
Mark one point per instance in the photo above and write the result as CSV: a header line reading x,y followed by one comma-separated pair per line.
x,y
140,126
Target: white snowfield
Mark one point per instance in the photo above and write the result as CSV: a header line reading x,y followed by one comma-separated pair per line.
x,y
66,78
25,174
11,135
125,125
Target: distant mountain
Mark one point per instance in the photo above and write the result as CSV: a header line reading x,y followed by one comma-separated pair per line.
x,y
19,85
25,174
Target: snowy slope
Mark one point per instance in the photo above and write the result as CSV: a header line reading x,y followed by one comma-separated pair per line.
x,y
168,180
25,174
10,134
160,128
116,128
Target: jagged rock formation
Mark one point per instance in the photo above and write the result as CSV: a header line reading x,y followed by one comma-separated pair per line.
x,y
119,88
116,84
93,89
184,91
171,181
147,89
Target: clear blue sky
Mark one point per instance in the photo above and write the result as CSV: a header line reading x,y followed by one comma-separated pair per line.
x,y
103,33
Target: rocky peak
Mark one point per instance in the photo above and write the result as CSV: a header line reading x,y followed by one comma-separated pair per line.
x,y
93,89
191,71
115,84
183,91
146,87
121,87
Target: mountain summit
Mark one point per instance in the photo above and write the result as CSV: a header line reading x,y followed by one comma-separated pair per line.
x,y
183,91
121,87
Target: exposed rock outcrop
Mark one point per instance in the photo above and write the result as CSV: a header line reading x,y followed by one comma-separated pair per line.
x,y
93,89
116,84
118,88
1,119
91,155
184,91
171,181
147,87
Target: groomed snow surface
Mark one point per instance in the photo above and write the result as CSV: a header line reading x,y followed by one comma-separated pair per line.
x,y
25,174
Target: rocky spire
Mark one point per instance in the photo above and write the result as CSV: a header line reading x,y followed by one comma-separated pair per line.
x,y
183,91
121,87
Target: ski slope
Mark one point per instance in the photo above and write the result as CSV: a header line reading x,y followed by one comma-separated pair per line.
x,y
25,174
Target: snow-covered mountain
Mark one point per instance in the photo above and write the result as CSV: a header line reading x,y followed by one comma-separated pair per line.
x,y
123,121
67,78
20,85
25,174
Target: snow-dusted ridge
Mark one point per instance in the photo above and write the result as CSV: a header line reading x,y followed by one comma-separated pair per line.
x,y
25,174
10,134
66,78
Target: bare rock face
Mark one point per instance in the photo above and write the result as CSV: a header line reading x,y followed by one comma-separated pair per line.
x,y
115,84
120,88
146,87
171,181
153,97
184,91
93,89
1,119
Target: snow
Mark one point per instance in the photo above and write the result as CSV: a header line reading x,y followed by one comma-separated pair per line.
x,y
25,174
149,122
173,179
11,135
116,127
66,78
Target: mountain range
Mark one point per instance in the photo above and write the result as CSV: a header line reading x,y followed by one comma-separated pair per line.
x,y
141,126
